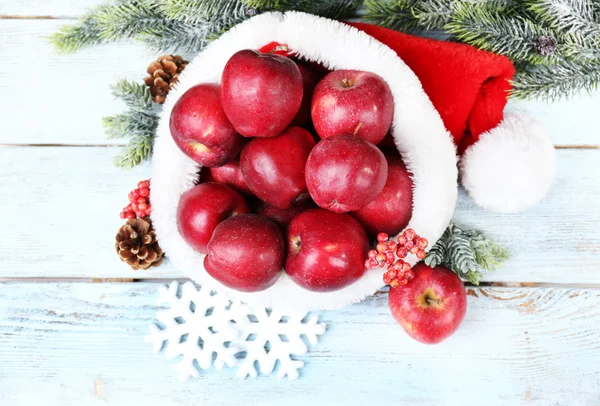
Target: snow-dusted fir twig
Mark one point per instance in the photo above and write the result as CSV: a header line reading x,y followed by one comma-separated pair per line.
x,y
466,252
137,124
180,26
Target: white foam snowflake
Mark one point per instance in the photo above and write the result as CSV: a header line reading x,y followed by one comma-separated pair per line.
x,y
196,325
269,336
199,323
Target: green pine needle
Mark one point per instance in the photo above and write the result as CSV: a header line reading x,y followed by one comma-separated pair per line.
x,y
135,95
71,38
565,79
467,253
513,36
134,153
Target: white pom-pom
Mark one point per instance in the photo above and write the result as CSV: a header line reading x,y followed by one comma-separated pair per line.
x,y
511,167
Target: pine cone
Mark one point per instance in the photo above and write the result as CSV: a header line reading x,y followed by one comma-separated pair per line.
x,y
545,45
136,244
163,74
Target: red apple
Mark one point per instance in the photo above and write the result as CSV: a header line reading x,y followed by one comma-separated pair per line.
x,y
202,208
231,175
261,92
326,251
352,102
310,78
274,167
246,253
345,173
391,210
282,217
201,129
431,307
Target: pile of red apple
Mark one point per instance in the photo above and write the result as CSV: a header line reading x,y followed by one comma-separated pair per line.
x,y
301,174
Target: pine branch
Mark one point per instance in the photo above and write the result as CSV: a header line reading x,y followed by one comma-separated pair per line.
x,y
422,15
572,16
136,96
467,253
128,19
203,11
137,150
513,36
565,79
71,38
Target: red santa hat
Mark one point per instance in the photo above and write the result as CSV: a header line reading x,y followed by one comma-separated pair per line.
x,y
506,160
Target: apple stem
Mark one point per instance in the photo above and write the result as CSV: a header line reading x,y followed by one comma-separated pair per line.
x,y
346,82
278,48
432,301
360,124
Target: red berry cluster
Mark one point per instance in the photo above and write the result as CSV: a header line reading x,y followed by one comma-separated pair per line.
x,y
139,202
398,272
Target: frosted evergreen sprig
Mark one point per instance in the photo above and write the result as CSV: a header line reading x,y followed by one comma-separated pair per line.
x,y
137,124
467,253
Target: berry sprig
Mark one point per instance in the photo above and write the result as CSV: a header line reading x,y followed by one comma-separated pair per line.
x,y
139,202
399,272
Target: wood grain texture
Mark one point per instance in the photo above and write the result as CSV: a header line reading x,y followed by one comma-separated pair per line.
x,y
74,344
59,99
48,8
76,93
61,208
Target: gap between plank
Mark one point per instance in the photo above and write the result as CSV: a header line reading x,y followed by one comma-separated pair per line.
x,y
7,280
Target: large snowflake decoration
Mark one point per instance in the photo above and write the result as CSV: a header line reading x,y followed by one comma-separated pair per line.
x,y
204,328
268,336
195,326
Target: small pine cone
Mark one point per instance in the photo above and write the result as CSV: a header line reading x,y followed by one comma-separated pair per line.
x,y
136,244
163,75
545,45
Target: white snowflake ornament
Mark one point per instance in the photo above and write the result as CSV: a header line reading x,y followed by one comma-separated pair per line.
x,y
200,323
197,325
269,336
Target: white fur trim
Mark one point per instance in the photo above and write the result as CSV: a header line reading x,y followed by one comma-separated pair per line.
x,y
511,167
418,130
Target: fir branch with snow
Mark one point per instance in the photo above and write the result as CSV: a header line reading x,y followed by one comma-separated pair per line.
x,y
467,253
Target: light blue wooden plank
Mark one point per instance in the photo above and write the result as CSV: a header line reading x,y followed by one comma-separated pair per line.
x,y
82,344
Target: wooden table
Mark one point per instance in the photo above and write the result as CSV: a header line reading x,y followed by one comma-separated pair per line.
x,y
73,318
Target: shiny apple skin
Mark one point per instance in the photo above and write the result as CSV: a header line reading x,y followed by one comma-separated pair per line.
x,y
200,128
261,93
345,173
352,102
202,208
391,210
246,253
274,167
326,251
231,175
283,217
432,306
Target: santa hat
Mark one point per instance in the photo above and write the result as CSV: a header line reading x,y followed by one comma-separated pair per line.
x,y
506,161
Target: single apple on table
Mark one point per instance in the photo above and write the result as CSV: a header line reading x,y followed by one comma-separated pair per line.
x,y
201,129
345,173
433,304
202,208
326,251
261,92
274,167
246,253
391,210
352,102
231,175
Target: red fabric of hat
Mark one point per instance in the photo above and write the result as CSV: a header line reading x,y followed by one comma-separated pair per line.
x,y
467,86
